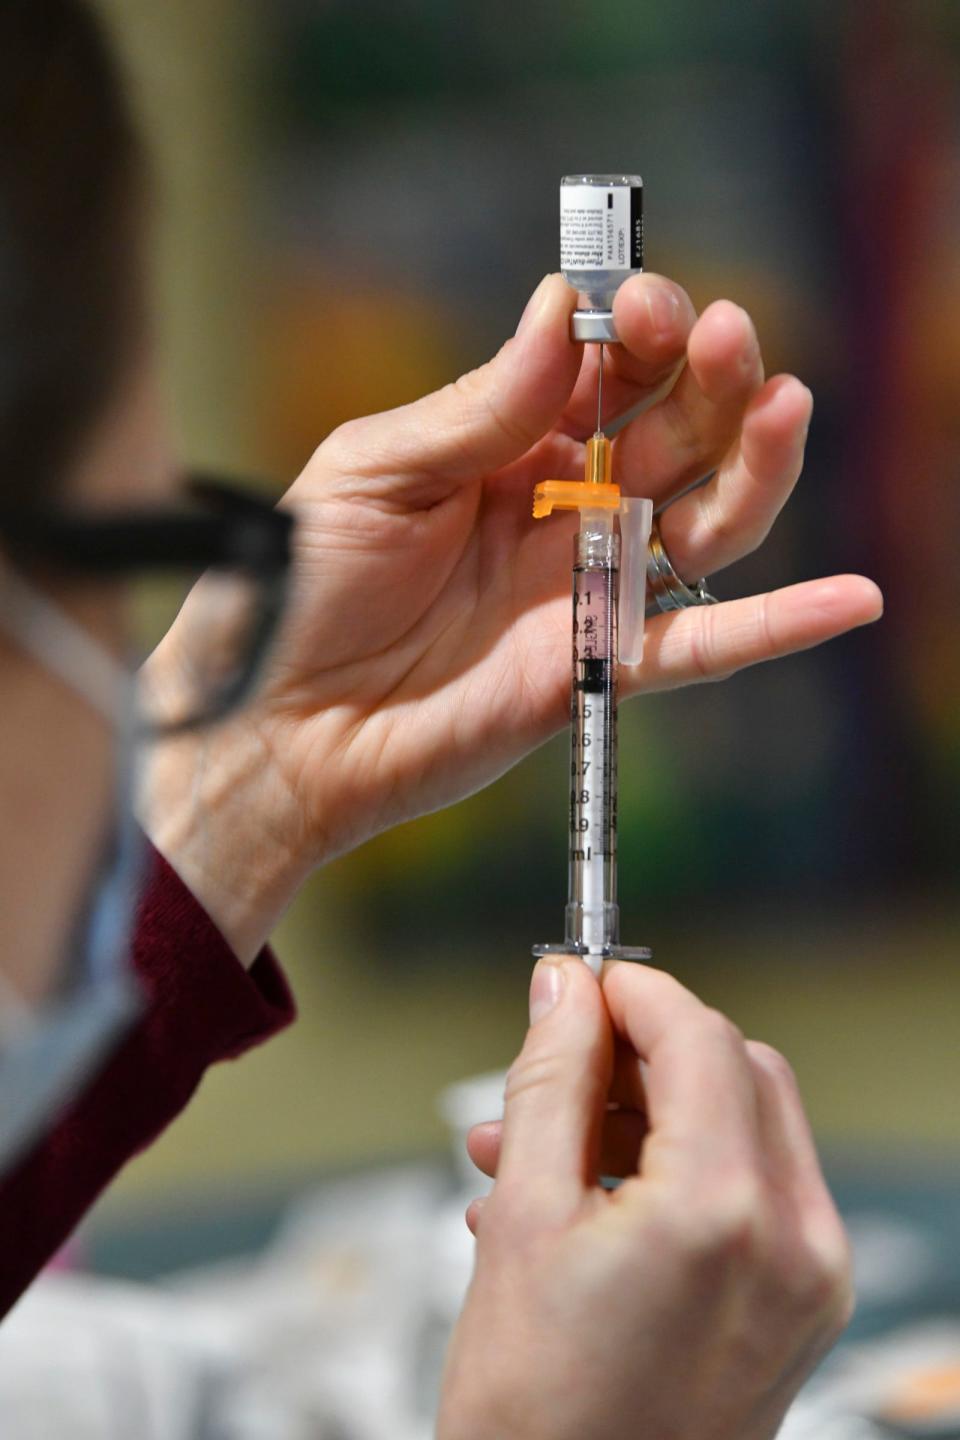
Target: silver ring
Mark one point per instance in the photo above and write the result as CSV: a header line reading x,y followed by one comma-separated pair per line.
x,y
666,590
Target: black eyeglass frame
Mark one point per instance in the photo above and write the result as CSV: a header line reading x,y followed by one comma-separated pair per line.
x,y
232,530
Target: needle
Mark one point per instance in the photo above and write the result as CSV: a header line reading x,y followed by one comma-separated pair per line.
x,y
600,391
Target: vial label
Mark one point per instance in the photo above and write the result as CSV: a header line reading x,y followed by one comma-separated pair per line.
x,y
601,228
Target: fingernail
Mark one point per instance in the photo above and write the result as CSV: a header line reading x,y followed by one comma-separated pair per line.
x,y
534,305
663,307
546,987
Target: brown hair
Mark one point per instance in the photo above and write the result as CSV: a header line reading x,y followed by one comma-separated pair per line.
x,y
70,307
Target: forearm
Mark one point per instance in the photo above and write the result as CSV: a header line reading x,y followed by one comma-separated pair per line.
x,y
217,808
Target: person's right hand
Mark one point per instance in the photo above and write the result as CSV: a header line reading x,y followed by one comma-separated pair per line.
x,y
426,648
691,1302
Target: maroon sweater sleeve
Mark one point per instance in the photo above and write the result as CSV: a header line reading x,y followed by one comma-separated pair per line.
x,y
201,1006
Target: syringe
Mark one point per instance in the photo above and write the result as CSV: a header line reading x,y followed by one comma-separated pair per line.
x,y
611,522
601,243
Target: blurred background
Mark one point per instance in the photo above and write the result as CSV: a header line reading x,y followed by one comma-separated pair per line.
x,y
355,199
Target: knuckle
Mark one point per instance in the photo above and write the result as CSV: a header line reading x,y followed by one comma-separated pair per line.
x,y
832,1276
473,395
343,447
501,1225
733,533
776,1065
845,1304
757,535
524,1213
533,1070
701,644
765,628
685,435
723,531
719,1028
704,643
820,1276
728,1228
467,391
738,1222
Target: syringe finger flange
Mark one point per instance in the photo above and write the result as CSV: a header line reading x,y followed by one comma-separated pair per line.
x,y
640,953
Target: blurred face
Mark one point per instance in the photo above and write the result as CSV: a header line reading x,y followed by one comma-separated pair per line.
x,y
56,753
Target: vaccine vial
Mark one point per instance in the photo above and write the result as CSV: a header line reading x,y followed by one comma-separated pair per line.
x,y
601,243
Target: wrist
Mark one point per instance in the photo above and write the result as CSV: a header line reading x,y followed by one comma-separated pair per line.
x,y
217,810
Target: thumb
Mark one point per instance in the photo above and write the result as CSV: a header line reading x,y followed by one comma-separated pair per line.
x,y
557,1088
424,451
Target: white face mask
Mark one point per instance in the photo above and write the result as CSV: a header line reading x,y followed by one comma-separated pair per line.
x,y
47,1051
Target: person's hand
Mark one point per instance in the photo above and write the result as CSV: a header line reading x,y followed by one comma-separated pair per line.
x,y
427,647
692,1301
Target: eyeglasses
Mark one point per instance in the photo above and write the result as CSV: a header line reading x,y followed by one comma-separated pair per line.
x,y
225,548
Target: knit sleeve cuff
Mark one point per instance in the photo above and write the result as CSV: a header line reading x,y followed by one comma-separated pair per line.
x,y
192,977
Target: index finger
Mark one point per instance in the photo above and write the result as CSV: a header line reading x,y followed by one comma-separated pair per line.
x,y
701,1099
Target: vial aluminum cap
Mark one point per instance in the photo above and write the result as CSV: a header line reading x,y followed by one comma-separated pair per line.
x,y
595,325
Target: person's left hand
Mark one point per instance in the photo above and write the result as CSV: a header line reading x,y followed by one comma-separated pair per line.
x,y
427,646
693,1300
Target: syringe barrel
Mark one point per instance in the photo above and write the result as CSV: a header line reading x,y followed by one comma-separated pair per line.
x,y
592,917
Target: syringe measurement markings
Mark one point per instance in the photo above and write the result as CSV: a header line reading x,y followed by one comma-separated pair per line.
x,y
593,816
592,795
